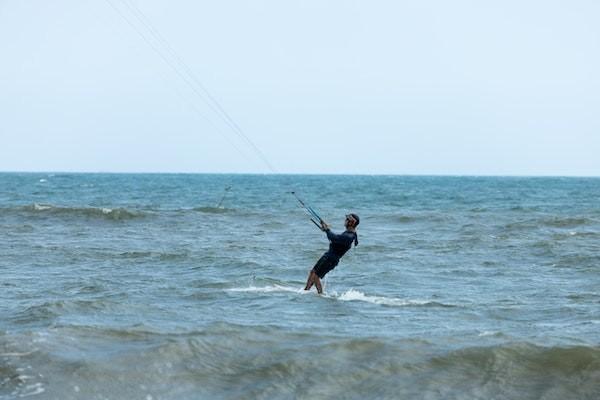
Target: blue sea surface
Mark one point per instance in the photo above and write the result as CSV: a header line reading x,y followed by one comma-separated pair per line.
x,y
170,286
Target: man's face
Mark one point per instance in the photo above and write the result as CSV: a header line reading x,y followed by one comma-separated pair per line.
x,y
350,221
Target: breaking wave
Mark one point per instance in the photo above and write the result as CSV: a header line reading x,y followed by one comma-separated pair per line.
x,y
355,295
349,295
116,214
234,361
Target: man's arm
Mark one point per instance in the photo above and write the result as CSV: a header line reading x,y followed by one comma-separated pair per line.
x,y
333,237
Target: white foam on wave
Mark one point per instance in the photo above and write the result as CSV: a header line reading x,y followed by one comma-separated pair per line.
x,y
41,207
18,354
349,295
33,390
356,295
268,289
489,333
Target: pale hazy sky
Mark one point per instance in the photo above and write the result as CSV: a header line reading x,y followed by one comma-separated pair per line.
x,y
395,87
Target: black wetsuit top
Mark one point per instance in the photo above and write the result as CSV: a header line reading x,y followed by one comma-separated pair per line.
x,y
339,244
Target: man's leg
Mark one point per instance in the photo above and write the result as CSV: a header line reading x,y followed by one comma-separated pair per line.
x,y
317,282
310,280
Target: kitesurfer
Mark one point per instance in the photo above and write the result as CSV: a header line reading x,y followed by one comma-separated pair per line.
x,y
339,244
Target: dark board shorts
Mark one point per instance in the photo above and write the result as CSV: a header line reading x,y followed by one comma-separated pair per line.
x,y
324,265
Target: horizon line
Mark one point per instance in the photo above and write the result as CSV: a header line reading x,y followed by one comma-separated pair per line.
x,y
450,175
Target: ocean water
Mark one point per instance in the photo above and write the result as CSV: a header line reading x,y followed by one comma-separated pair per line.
x,y
138,286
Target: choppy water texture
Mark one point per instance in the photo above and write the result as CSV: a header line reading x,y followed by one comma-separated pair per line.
x,y
140,287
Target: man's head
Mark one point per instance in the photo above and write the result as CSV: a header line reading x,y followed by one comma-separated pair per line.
x,y
352,221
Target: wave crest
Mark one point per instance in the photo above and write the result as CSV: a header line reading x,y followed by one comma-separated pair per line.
x,y
525,359
349,295
355,295
236,361
213,210
565,222
116,214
